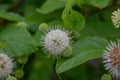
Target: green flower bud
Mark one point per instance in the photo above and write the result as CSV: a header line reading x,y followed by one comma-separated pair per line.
x,y
43,27
76,35
11,78
67,52
106,77
22,25
19,73
22,59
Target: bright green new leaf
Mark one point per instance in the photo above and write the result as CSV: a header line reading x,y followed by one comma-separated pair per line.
x,y
99,3
85,49
66,14
72,19
16,41
78,20
50,6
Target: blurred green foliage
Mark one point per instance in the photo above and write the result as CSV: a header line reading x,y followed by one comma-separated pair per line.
x,y
88,20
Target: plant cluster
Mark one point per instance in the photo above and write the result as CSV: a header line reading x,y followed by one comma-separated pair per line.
x,y
59,40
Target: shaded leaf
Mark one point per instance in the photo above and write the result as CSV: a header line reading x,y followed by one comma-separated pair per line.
x,y
99,3
37,38
11,16
50,6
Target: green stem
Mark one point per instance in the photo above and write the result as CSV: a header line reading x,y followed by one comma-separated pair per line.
x,y
54,74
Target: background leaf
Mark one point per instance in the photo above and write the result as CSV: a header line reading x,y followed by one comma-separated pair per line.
x,y
11,16
16,41
41,69
99,3
50,6
102,29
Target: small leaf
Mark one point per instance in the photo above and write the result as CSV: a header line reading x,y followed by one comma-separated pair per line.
x,y
16,41
85,49
50,6
78,20
99,3
66,14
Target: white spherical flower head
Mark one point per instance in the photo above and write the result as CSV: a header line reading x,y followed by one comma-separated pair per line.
x,y
116,18
56,41
6,66
112,58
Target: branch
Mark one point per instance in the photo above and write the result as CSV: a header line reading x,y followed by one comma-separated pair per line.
x,y
16,6
54,74
98,10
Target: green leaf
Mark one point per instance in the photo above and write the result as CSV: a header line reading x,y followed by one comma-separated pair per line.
x,y
37,18
37,38
85,49
66,14
16,41
40,64
50,6
106,14
11,16
99,3
78,20
72,19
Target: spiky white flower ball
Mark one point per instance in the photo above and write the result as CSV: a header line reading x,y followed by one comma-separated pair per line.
x,y
112,58
6,66
116,18
56,41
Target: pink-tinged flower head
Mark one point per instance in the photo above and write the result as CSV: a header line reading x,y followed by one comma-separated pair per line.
x,y
112,58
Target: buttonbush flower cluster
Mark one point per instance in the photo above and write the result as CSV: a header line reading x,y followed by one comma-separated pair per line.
x,y
55,41
111,57
6,66
116,18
